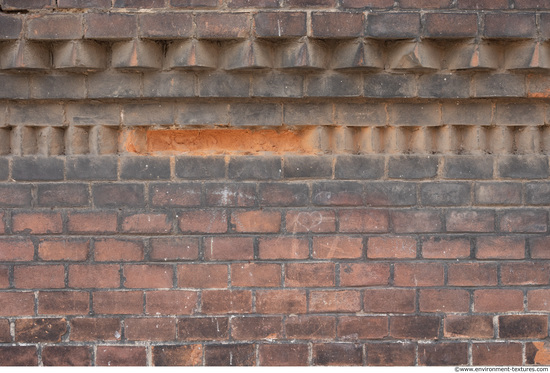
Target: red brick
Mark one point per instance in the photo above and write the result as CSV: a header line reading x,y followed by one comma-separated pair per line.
x,y
439,354
202,276
540,247
18,356
309,274
470,221
525,274
256,221
425,4
444,300
253,3
255,275
4,277
256,328
281,301
389,300
364,274
472,274
283,248
139,4
310,221
363,327
468,327
187,355
500,248
67,356
416,221
150,329
391,247
498,300
203,328
284,354
505,353
148,276
95,329
16,249
418,274
451,25
147,223
63,249
391,354
446,248
414,327
37,222
118,250
171,302
92,222
531,4
203,221
222,25
524,221
483,4
310,327
16,304
337,24
363,221
230,355
15,195
63,303
538,300
280,24
311,3
226,301
94,276
40,330
335,301
228,248
39,276
118,302
339,354
171,195
523,326
337,247
174,249
367,3
121,356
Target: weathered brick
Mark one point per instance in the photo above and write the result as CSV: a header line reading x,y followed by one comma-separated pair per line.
x,y
230,194
39,276
467,167
499,85
310,327
311,3
391,354
146,114
483,4
283,248
412,167
337,247
444,86
498,193
309,274
536,353
202,276
10,26
94,276
278,84
55,27
16,249
507,353
389,300
18,356
17,304
523,326
194,3
393,25
203,328
472,274
308,114
538,300
355,4
470,221
334,301
148,276
282,194
390,193
406,114
530,273
338,193
230,355
412,221
226,301
67,356
121,356
110,26
222,25
340,354
113,84
4,279
414,327
84,4
519,114
174,249
253,3
389,85
256,328
37,168
103,222
91,168
444,300
171,302
253,114
337,25
242,168
138,4
114,249
150,329
37,222
283,354
361,115
280,25
188,355
206,221
255,275
315,221
202,168
498,300
537,193
229,248
451,25
364,274
391,247
145,168
510,25
167,84
307,167
362,327
418,274
281,301
118,195
63,303
93,329
527,221
500,248
256,221
203,113
39,330
443,354
63,195
466,113
527,167
118,302
15,195
445,194
153,223
474,326
363,220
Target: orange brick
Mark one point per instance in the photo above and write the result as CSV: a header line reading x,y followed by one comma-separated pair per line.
x,y
39,277
171,302
418,274
364,274
281,301
309,274
148,276
202,276
255,275
147,223
334,301
337,247
118,302
391,247
116,250
256,221
63,249
498,300
283,248
37,222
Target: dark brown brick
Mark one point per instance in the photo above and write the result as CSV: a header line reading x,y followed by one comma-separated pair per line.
x,y
63,195
253,3
363,221
393,25
337,354
55,27
445,194
4,277
150,329
444,300
390,193
226,301
281,301
27,4
194,3
16,195
228,248
363,327
391,247
315,221
357,4
340,193
139,4
530,273
443,354
283,194
93,329
284,354
110,26
63,303
40,330
121,356
175,195
256,328
389,300
450,25
523,326
483,4
474,326
94,276
222,25
337,25
66,356
310,327
337,247
92,222
188,355
84,4
118,195
202,276
309,274
540,247
243,195
311,3
418,274
500,248
391,354
203,328
18,356
416,221
280,25
498,193
414,327
10,26
118,302
255,275
470,221
524,221
506,353
425,4
506,25
230,355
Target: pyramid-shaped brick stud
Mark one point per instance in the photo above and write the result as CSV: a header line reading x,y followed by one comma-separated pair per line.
x,y
137,55
414,56
473,56
24,55
362,55
79,56
247,55
304,54
527,56
192,55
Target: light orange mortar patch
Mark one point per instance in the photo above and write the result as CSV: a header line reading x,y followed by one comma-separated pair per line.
x,y
542,356
220,141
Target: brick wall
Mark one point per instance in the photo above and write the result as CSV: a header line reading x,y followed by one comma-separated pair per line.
x,y
274,182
